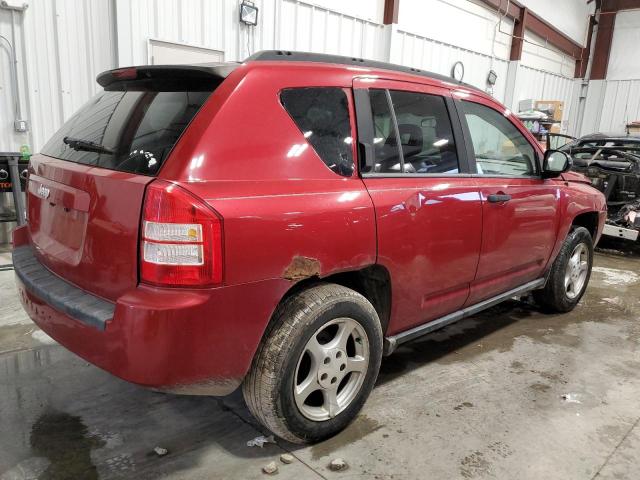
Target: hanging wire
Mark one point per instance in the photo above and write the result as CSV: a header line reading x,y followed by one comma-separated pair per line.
x,y
14,79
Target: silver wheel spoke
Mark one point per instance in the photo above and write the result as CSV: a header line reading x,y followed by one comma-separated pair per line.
x,y
307,387
342,336
356,364
575,259
316,350
331,401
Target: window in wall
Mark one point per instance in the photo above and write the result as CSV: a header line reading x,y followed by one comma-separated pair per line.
x,y
499,147
322,115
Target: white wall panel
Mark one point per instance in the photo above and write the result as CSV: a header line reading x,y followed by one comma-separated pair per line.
x,y
62,46
569,16
307,27
462,23
431,55
283,24
624,59
9,140
195,22
371,10
536,53
541,85
621,105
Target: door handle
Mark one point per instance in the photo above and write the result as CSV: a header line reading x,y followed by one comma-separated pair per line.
x,y
498,198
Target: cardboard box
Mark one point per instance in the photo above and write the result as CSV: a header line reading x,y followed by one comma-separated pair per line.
x,y
554,107
634,128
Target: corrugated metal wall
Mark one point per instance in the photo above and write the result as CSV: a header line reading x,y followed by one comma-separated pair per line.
x,y
537,84
198,22
311,28
62,45
286,24
428,54
621,105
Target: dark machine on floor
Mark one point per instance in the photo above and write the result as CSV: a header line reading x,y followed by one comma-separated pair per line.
x,y
612,163
13,179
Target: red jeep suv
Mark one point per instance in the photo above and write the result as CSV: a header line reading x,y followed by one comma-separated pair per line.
x,y
283,223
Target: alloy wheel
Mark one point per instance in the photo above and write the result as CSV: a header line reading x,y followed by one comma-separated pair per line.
x,y
331,369
576,271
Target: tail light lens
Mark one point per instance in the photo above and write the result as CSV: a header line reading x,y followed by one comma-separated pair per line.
x,y
181,241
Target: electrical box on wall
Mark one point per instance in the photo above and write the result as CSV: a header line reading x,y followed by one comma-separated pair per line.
x,y
21,126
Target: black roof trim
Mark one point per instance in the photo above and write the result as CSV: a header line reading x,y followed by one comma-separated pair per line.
x,y
203,71
289,56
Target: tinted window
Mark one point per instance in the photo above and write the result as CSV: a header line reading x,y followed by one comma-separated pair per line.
x,y
131,131
322,115
499,147
387,154
425,133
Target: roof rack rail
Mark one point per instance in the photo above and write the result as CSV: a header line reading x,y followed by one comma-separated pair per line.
x,y
291,56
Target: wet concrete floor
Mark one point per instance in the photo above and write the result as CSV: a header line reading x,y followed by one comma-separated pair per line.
x,y
510,393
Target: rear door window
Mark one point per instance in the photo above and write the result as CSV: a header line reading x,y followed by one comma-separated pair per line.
x,y
385,142
129,131
423,142
322,115
426,136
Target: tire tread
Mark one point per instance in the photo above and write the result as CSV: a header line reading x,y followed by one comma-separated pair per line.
x,y
260,386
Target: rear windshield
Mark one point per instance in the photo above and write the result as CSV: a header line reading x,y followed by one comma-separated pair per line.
x,y
128,131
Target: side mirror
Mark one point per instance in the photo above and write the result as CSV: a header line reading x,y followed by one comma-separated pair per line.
x,y
555,163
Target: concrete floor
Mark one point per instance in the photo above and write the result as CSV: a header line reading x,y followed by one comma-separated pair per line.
x,y
511,393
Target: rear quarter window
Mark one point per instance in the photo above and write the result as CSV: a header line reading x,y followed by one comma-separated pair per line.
x,y
322,116
128,131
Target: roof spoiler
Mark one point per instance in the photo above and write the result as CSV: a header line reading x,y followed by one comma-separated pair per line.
x,y
203,74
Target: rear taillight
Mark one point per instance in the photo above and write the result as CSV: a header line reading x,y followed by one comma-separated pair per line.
x,y
181,238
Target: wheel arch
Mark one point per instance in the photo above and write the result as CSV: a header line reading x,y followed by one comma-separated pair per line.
x,y
588,220
372,282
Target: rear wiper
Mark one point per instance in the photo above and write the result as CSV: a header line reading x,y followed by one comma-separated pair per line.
x,y
86,145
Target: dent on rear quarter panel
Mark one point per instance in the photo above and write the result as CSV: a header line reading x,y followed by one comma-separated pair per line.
x,y
286,215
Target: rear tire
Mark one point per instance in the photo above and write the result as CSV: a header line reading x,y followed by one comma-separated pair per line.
x,y
570,273
316,365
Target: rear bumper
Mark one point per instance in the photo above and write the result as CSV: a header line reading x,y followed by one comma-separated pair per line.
x,y
183,341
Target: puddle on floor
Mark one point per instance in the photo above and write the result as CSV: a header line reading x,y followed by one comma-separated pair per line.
x,y
65,442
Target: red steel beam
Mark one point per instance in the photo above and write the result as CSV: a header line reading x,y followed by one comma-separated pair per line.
x,y
606,24
581,65
554,36
517,40
617,5
538,26
391,9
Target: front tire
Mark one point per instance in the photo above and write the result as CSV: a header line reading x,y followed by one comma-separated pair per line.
x,y
570,273
316,365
